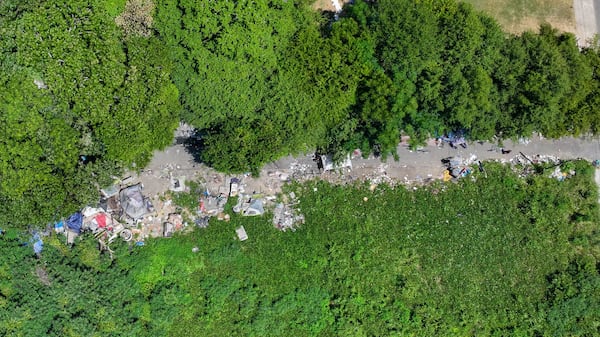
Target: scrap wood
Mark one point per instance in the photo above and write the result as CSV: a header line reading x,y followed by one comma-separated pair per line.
x,y
528,159
104,247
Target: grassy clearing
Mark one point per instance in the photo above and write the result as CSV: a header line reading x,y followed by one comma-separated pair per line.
x,y
517,16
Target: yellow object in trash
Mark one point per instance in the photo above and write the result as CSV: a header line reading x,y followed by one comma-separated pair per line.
x,y
447,176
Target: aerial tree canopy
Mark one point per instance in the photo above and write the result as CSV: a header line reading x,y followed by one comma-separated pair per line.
x,y
256,78
89,89
78,102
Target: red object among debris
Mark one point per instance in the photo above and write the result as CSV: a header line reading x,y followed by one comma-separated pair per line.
x,y
101,220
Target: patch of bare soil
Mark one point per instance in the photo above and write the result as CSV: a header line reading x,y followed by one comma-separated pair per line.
x,y
533,24
42,275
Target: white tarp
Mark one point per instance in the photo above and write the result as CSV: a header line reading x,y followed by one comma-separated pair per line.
x,y
132,202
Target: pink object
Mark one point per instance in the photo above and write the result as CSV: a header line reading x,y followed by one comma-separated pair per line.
x,y
101,220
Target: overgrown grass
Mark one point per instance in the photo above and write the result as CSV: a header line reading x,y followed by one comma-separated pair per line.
x,y
487,256
456,259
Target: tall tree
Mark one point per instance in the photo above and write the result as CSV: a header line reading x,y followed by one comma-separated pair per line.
x,y
77,104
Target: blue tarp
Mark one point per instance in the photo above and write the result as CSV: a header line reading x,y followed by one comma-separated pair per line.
x,y
38,245
74,222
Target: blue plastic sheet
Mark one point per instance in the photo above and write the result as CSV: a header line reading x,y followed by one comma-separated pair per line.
x,y
38,244
74,222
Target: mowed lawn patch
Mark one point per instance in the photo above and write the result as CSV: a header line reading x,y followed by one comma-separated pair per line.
x,y
517,16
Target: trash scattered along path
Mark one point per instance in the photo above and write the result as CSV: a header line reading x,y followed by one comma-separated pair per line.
x,y
412,166
173,168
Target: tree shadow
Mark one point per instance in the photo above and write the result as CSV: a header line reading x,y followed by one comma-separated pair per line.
x,y
193,144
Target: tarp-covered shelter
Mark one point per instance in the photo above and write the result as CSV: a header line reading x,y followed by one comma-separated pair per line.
x,y
255,208
132,202
38,244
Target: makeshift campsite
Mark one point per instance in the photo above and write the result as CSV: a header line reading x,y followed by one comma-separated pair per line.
x,y
249,206
132,202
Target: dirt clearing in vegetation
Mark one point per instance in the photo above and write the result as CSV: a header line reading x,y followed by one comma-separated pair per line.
x,y
517,16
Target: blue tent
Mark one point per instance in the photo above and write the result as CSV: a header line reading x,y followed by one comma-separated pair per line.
x,y
74,222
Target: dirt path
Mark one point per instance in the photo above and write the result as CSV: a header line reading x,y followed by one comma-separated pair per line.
x,y
413,166
587,16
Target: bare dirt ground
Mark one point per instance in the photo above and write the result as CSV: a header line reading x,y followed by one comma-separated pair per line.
x,y
517,16
412,166
587,16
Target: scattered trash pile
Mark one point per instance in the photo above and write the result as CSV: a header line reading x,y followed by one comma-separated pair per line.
x,y
457,167
559,175
211,205
120,211
249,205
300,172
380,176
523,159
454,139
285,216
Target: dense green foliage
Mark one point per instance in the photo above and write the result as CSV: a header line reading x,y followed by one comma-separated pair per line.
x,y
78,101
89,89
256,78
495,256
265,78
451,68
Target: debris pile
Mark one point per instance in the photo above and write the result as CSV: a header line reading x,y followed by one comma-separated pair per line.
x,y
380,176
286,215
523,159
211,205
249,205
454,139
559,175
300,172
457,167
120,210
